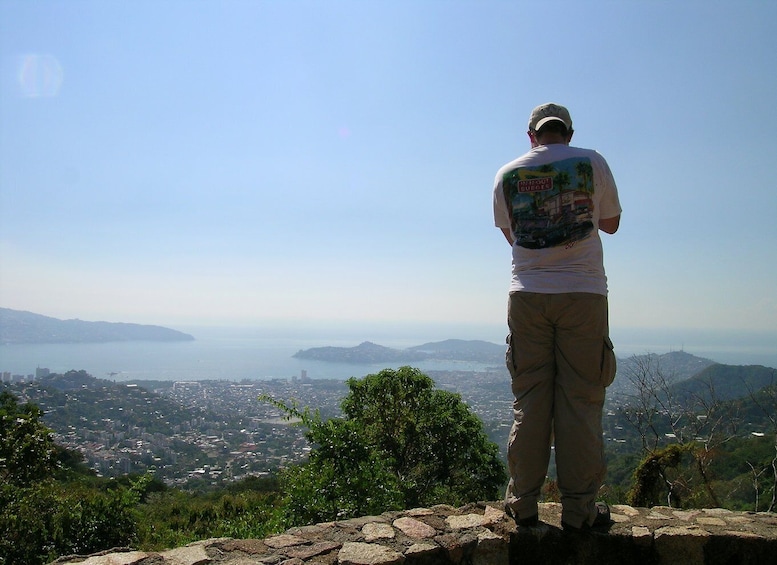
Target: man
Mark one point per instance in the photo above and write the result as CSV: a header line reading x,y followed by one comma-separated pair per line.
x,y
551,203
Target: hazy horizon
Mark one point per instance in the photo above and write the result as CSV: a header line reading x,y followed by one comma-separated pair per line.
x,y
410,332
738,347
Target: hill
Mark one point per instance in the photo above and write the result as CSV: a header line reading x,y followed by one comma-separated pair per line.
x,y
365,352
17,326
725,382
464,350
672,367
368,352
76,396
120,427
688,378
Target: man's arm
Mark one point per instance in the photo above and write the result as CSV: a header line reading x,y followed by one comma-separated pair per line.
x,y
610,225
508,235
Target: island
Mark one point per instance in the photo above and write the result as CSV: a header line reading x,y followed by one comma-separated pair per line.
x,y
367,352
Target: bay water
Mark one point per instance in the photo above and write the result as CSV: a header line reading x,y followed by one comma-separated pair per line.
x,y
264,353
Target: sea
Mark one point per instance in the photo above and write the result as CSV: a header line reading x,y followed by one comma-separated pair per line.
x,y
250,353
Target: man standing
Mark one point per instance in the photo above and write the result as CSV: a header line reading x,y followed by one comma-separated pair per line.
x,y
551,203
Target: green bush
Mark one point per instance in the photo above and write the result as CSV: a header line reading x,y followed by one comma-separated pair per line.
x,y
174,518
42,518
41,522
27,450
401,444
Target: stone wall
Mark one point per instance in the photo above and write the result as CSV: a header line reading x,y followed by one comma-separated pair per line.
x,y
481,534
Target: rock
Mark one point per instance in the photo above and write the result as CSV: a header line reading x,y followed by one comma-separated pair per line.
x,y
357,553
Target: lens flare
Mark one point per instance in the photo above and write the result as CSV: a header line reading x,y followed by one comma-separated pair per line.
x,y
40,76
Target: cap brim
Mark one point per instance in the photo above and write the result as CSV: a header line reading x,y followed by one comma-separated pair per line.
x,y
544,121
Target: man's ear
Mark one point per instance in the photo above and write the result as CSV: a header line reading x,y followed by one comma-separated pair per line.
x,y
532,138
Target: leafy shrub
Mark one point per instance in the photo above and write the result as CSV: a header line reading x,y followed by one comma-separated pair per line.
x,y
46,520
401,444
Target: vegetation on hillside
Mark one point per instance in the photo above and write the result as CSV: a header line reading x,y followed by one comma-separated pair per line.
x,y
693,437
46,509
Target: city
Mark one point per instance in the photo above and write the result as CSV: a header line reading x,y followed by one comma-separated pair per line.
x,y
207,432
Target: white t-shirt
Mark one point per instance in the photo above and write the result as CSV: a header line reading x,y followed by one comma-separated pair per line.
x,y
552,198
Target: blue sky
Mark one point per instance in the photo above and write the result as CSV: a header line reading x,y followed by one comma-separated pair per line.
x,y
209,162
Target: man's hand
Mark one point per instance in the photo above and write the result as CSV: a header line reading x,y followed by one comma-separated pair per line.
x,y
610,225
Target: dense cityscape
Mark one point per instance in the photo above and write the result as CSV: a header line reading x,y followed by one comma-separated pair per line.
x,y
206,432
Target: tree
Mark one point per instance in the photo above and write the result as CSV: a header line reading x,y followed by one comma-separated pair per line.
x,y
41,518
401,444
766,400
433,443
694,420
585,172
27,449
657,474
345,477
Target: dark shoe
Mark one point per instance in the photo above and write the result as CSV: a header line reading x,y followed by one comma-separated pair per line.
x,y
530,522
602,520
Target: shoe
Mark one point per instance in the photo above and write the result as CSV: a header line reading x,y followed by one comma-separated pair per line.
x,y
530,522
602,520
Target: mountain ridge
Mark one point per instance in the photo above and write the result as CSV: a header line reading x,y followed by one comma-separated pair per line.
x,y
368,352
725,382
19,326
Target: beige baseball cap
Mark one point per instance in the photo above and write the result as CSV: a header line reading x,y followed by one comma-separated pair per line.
x,y
545,113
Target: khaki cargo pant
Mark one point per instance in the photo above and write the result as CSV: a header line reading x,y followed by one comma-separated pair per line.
x,y
561,360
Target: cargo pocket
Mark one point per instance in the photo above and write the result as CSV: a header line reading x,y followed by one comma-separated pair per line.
x,y
509,355
609,364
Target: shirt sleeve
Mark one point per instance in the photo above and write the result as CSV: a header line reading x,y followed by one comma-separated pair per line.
x,y
501,215
609,205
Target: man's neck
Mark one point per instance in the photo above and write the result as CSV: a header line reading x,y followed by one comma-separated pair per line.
x,y
553,140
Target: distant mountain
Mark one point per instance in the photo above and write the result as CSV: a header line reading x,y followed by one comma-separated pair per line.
x,y
368,352
689,378
25,327
365,352
463,350
673,367
725,382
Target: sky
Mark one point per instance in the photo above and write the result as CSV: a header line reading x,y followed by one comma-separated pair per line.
x,y
242,162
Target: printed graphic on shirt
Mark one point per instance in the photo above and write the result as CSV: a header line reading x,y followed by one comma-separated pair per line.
x,y
551,205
